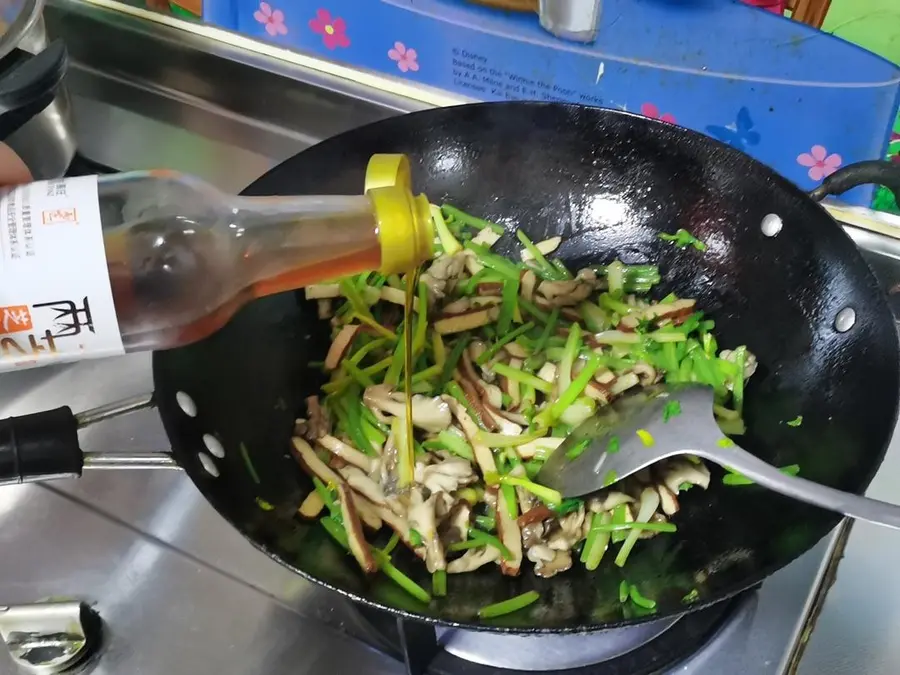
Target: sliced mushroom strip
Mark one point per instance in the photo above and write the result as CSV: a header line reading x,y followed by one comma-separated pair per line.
x,y
322,291
540,448
312,506
549,562
340,345
310,461
423,519
473,559
483,455
511,537
445,476
319,423
678,471
442,275
468,321
364,485
358,545
565,293
430,414
348,453
547,246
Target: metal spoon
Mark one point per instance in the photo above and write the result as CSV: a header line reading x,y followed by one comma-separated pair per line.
x,y
665,421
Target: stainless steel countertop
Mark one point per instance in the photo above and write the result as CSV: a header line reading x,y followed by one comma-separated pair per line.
x,y
180,590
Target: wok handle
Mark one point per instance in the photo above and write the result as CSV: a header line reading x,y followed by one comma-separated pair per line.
x,y
875,172
40,446
861,508
45,445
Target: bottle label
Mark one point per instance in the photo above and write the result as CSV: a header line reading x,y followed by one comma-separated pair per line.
x,y
56,300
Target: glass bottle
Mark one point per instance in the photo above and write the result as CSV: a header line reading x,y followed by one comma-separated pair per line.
x,y
181,256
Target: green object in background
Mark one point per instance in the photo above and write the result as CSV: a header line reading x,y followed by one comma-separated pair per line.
x,y
182,12
873,25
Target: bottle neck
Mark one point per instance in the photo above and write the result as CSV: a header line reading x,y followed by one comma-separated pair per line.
x,y
284,243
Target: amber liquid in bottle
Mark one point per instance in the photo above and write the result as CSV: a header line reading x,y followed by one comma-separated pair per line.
x,y
184,257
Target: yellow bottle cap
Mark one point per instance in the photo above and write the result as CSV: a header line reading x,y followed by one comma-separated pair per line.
x,y
405,228
388,170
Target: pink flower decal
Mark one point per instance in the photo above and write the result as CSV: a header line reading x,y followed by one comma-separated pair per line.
x,y
404,56
820,163
333,30
272,19
651,111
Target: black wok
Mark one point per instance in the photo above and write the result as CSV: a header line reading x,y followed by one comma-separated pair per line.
x,y
609,183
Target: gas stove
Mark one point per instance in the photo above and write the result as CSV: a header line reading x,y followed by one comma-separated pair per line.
x,y
177,590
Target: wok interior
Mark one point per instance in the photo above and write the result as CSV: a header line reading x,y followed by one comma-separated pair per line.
x,y
607,182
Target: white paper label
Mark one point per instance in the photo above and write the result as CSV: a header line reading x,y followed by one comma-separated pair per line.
x,y
55,296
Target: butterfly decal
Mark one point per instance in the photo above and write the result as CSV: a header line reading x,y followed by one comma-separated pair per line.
x,y
739,134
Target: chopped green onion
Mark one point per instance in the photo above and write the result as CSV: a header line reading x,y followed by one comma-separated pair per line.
x,y
545,494
578,385
452,441
415,538
624,590
509,606
534,310
734,478
357,374
454,214
568,506
578,449
740,356
613,446
354,298
450,364
448,241
552,320
725,442
648,527
670,410
263,504
508,492
399,578
522,377
249,464
682,239
646,438
491,351
336,530
363,351
610,478
327,498
597,541
495,262
542,265
796,422
509,441
619,516
486,523
639,599
477,539
693,596
509,307
439,583
392,543
615,277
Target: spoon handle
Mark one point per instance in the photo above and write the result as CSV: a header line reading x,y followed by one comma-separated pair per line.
x,y
862,508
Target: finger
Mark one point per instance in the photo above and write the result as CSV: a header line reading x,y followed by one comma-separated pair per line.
x,y
12,169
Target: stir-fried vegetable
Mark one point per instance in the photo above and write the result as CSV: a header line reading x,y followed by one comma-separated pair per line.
x,y
509,606
508,356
